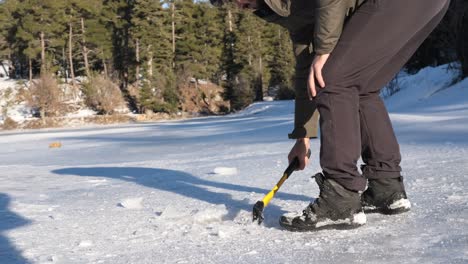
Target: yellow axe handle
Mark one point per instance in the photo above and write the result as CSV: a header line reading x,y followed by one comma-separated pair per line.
x,y
291,168
272,193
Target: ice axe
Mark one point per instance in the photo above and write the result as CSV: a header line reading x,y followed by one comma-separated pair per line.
x,y
260,205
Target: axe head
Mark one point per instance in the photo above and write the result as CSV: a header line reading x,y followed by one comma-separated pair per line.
x,y
258,212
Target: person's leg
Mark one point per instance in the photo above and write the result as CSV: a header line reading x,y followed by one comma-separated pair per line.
x,y
372,37
385,192
379,147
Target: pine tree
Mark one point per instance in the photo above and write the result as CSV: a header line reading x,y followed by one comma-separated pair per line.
x,y
117,14
99,45
186,49
256,48
78,13
209,32
229,66
151,34
40,28
281,63
244,53
6,27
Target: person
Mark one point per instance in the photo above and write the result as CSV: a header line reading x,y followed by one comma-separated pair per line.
x,y
346,52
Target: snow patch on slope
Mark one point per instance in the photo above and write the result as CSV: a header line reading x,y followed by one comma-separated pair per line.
x,y
429,90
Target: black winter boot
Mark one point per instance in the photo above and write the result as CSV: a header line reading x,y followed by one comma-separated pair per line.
x,y
386,196
335,208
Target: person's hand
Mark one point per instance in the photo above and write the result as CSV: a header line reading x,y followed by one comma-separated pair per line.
x,y
300,150
316,73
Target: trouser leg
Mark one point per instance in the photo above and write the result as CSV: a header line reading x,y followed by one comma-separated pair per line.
x,y
371,38
380,149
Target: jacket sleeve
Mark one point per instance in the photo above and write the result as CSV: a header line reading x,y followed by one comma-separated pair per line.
x,y
329,19
304,123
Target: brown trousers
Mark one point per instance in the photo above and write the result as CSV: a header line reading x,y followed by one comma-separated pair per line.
x,y
376,43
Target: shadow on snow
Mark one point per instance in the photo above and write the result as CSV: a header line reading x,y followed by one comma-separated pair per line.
x,y
9,220
189,186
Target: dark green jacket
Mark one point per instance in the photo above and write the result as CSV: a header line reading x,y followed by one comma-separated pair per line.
x,y
315,27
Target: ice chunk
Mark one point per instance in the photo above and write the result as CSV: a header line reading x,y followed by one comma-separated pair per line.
x,y
85,243
132,203
173,211
225,171
210,215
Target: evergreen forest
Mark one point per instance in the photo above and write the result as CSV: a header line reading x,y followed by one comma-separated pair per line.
x,y
152,50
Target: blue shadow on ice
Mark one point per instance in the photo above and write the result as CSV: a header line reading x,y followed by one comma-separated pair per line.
x,y
187,185
9,220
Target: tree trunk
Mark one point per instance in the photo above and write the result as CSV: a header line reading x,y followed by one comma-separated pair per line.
x,y
65,65
106,73
260,92
42,114
137,54
279,38
70,54
150,61
260,69
85,49
173,32
43,53
249,40
260,63
231,79
30,71
230,20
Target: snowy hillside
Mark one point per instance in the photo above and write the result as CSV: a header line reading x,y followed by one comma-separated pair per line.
x,y
183,191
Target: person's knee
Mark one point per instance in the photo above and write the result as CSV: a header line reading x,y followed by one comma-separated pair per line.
x,y
340,77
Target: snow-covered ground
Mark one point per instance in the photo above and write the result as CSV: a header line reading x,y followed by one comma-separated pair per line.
x,y
182,192
12,106
9,107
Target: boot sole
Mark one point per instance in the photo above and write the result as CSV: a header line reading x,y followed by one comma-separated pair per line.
x,y
358,220
386,211
326,227
401,206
